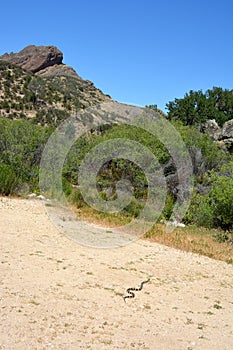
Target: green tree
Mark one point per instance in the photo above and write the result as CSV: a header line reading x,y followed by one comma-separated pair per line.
x,y
196,106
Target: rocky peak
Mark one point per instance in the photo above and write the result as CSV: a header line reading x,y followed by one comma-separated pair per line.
x,y
35,58
34,83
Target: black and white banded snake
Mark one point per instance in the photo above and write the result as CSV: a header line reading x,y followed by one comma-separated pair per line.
x,y
131,291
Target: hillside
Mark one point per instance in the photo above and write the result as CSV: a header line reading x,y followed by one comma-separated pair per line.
x,y
40,91
47,91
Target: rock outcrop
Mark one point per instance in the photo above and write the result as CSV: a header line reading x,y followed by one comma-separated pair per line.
x,y
223,136
227,130
58,70
35,58
212,129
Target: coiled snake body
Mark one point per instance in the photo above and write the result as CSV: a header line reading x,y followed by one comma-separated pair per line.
x,y
130,291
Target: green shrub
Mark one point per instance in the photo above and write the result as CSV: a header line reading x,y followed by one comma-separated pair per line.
x,y
8,179
200,211
210,156
168,208
133,209
214,209
21,146
67,187
221,196
224,236
76,198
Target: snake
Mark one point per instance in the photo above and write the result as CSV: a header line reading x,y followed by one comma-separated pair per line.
x,y
131,291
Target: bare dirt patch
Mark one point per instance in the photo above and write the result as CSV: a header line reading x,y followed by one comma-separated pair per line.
x,y
57,294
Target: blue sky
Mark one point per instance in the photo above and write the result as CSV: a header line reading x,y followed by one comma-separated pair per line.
x,y
139,52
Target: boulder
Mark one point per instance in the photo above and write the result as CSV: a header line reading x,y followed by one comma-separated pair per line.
x,y
212,129
227,144
227,130
222,136
41,197
32,195
35,58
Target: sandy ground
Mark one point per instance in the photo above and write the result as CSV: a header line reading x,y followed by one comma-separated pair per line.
x,y
57,294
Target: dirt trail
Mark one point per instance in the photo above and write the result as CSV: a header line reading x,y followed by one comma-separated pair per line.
x,y
57,294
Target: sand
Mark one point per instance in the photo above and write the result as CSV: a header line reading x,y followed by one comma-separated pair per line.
x,y
58,294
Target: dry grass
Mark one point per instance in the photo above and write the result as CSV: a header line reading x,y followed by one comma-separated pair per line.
x,y
191,238
95,217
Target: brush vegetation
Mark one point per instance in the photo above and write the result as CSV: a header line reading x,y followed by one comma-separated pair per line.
x,y
34,106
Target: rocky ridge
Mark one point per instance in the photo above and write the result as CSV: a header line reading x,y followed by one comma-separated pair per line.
x,y
35,58
49,90
36,84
